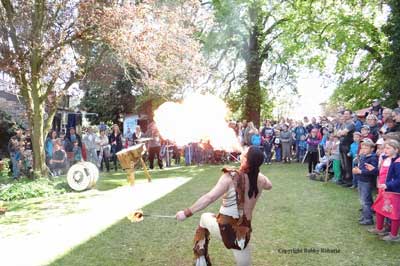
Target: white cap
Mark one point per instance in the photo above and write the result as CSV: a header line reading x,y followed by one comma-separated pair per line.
x,y
380,141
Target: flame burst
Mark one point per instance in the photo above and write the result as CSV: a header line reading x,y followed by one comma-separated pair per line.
x,y
136,216
197,118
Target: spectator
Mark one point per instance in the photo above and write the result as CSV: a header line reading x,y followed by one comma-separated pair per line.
x,y
319,168
154,145
188,154
390,125
268,130
13,150
299,132
91,146
313,125
392,184
376,107
396,116
357,123
128,137
312,153
386,114
372,122
302,148
278,146
256,139
70,138
249,132
354,147
345,133
268,143
365,133
58,161
286,140
115,140
306,121
137,134
77,152
104,150
366,172
335,158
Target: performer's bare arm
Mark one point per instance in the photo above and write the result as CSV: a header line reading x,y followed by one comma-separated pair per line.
x,y
266,183
215,193
220,188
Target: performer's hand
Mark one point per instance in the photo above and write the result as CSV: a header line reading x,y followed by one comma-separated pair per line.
x,y
180,215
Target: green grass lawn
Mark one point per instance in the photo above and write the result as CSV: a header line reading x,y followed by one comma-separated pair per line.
x,y
297,213
24,210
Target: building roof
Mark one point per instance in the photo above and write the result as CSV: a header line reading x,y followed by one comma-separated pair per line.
x,y
9,96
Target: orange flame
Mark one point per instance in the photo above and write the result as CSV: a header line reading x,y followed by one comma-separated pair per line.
x,y
198,117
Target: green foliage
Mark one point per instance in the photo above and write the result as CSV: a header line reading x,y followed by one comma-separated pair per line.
x,y
349,30
108,100
391,62
5,171
7,129
28,188
356,95
235,103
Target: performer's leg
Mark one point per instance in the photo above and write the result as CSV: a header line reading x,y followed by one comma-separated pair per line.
x,y
209,221
208,224
242,257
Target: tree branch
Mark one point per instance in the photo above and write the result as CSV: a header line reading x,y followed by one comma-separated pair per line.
x,y
373,52
67,41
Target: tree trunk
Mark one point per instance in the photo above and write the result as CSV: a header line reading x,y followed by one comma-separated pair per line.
x,y
252,101
39,165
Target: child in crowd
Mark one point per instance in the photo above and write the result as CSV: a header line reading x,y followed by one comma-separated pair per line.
x,y
312,153
383,166
268,143
278,146
392,184
353,154
77,152
365,132
320,167
302,146
366,172
256,138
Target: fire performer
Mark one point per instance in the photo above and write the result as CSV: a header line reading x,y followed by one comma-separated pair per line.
x,y
240,191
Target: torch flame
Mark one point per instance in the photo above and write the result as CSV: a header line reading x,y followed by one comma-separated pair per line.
x,y
198,117
136,216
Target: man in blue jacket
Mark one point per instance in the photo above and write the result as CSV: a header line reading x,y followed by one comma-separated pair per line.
x,y
366,178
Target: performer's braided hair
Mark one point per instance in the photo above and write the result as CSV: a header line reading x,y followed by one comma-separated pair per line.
x,y
255,158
